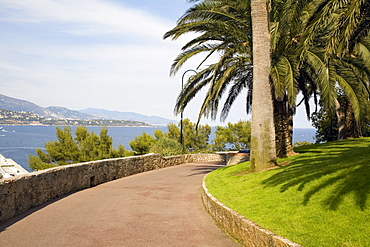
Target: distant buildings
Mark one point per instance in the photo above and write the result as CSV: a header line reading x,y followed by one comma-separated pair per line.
x,y
8,117
8,168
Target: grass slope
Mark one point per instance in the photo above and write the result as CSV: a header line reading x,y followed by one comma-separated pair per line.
x,y
317,198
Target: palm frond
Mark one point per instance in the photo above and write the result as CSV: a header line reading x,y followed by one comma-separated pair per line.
x,y
324,80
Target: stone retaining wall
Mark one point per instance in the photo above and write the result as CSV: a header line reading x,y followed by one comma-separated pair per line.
x,y
20,193
245,231
233,158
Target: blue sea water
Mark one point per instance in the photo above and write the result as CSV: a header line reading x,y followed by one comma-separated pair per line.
x,y
17,142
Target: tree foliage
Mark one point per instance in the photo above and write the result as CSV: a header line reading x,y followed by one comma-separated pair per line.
x,y
326,126
195,139
166,146
85,146
233,136
142,144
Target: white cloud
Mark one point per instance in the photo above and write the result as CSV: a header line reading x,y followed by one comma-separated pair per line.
x,y
85,17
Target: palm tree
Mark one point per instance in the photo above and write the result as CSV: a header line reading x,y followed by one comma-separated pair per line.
x,y
228,25
225,28
263,149
341,61
223,34
263,138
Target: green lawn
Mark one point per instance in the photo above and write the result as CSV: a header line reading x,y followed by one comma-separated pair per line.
x,y
317,198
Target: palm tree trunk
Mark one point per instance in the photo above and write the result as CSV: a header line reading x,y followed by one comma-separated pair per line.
x,y
283,117
353,127
348,127
263,148
341,120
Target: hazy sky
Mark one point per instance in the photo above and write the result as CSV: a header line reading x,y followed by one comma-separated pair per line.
x,y
106,54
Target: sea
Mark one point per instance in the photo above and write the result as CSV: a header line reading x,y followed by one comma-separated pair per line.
x,y
17,142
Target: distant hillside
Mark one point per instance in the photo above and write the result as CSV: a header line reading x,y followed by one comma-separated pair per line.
x,y
127,116
12,104
58,112
63,112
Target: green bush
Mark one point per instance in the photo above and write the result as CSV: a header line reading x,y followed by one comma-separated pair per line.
x,y
166,146
86,146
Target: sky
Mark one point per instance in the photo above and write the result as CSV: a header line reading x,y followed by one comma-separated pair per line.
x,y
106,54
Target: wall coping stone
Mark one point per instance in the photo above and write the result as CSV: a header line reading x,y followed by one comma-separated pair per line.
x,y
246,232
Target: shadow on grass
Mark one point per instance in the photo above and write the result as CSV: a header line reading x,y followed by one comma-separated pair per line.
x,y
340,168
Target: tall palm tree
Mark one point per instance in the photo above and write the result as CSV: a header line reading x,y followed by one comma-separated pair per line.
x,y
263,149
225,28
235,47
286,76
228,25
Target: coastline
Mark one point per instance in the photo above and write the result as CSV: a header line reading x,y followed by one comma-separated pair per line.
x,y
79,125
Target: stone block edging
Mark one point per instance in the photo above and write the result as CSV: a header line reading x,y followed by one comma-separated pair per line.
x,y
240,228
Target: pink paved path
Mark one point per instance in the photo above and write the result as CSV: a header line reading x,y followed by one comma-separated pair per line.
x,y
156,208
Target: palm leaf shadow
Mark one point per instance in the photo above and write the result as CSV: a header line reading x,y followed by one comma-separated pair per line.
x,y
336,171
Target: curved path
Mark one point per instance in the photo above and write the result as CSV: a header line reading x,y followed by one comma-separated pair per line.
x,y
156,208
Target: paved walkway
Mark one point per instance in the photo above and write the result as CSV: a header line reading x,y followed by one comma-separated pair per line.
x,y
156,208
